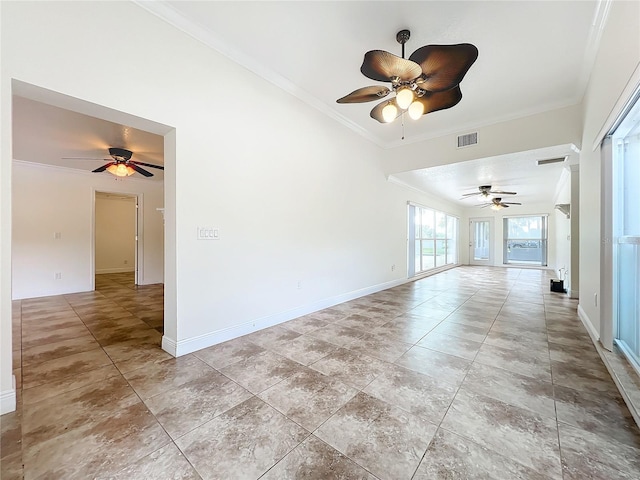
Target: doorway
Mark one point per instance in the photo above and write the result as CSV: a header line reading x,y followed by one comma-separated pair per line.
x,y
116,236
481,241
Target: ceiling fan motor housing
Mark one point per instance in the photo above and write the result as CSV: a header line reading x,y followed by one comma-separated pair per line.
x,y
120,154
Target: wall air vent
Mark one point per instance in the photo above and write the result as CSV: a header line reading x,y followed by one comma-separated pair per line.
x,y
467,139
549,161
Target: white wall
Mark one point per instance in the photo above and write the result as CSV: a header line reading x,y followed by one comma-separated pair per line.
x,y
547,129
562,237
618,57
296,196
49,200
115,244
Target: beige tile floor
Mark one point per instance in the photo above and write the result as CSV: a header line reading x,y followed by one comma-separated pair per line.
x,y
472,373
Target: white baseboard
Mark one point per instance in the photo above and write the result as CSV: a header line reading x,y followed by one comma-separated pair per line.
x,y
593,333
169,345
8,399
193,344
115,270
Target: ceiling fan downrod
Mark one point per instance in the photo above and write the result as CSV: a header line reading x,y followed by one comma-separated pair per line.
x,y
402,37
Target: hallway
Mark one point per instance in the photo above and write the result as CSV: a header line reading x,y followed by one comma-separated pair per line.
x,y
476,372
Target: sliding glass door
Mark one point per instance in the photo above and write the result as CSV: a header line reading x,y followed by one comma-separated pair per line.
x,y
525,240
626,234
433,239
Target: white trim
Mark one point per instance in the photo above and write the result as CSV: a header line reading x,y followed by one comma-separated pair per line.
x,y
8,399
586,321
173,17
193,344
625,101
593,43
628,354
169,345
626,383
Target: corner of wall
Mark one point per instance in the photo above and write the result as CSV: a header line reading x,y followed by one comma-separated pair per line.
x,y
170,346
586,321
8,399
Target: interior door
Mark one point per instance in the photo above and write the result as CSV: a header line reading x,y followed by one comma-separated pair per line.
x,y
481,241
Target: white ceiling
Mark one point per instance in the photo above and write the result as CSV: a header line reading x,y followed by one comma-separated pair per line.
x,y
54,136
520,173
533,56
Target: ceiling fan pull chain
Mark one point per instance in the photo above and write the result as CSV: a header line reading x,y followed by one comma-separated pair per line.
x,y
402,115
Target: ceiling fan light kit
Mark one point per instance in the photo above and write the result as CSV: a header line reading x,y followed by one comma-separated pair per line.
x,y
120,170
426,82
497,204
121,164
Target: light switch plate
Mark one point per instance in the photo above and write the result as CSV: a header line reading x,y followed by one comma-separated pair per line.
x,y
208,233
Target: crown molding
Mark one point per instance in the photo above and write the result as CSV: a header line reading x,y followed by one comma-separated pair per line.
x,y
170,15
166,12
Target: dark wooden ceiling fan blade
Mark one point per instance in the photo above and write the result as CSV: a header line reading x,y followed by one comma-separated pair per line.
x,y
140,170
103,167
434,101
499,192
376,113
384,66
365,94
444,66
159,167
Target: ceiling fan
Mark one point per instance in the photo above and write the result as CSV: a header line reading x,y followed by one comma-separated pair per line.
x,y
426,82
121,164
497,204
485,191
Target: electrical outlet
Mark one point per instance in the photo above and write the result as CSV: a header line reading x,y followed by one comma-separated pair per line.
x,y
393,268
58,276
126,262
299,284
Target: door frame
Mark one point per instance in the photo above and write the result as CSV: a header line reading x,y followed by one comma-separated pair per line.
x,y
139,227
490,260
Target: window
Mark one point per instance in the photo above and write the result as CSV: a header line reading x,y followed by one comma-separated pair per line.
x,y
433,239
525,240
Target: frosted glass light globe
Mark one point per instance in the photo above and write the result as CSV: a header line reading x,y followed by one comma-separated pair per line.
x,y
120,170
389,112
416,109
404,97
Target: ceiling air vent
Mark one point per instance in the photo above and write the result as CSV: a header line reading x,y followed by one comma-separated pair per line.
x,y
551,160
467,139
